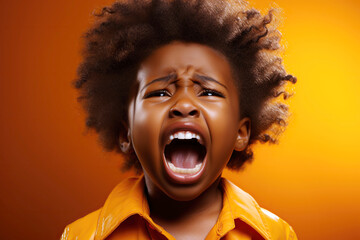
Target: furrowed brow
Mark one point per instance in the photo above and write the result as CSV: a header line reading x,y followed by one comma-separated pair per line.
x,y
162,79
207,79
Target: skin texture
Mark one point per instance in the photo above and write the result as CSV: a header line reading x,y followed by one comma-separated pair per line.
x,y
124,33
171,95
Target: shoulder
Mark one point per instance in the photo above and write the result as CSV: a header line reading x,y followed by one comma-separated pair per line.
x,y
263,221
124,200
278,228
83,228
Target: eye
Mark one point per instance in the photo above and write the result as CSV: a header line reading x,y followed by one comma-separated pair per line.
x,y
211,92
157,93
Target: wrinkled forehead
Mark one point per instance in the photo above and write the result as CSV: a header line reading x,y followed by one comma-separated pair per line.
x,y
185,59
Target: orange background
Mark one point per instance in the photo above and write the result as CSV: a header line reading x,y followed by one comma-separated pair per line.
x,y
51,174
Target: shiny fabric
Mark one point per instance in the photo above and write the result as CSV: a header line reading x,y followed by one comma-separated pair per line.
x,y
125,215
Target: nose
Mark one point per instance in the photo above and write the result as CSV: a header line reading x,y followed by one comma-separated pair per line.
x,y
184,107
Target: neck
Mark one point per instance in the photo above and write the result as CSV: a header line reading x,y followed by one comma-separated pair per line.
x,y
166,209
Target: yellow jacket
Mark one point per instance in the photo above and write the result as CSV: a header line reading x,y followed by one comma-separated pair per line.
x,y
125,215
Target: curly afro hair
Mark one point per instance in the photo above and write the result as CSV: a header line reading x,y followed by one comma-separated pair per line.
x,y
128,31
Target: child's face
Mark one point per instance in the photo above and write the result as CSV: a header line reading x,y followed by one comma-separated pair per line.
x,y
184,121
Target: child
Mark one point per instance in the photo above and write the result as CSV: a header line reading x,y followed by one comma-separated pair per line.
x,y
183,89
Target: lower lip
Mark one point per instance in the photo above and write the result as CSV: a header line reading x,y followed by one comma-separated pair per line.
x,y
184,178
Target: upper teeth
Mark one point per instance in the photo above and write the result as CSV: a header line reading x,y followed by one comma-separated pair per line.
x,y
184,135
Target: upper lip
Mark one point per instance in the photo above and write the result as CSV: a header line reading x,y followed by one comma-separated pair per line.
x,y
185,126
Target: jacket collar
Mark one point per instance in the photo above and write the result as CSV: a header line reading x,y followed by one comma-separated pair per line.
x,y
244,207
128,198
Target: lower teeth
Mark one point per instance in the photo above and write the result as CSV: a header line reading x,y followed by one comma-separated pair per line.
x,y
185,170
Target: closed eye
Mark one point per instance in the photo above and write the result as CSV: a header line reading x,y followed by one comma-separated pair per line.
x,y
157,93
211,92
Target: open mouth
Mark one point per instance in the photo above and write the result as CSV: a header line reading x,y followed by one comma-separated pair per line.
x,y
184,156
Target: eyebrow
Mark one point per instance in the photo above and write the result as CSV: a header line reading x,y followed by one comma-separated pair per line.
x,y
162,79
174,76
206,78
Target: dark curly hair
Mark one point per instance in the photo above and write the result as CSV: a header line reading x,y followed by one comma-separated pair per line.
x,y
128,31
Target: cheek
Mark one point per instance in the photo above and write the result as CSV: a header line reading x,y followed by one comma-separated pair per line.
x,y
223,125
146,125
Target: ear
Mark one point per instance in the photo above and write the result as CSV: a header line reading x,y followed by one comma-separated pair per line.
x,y
243,134
125,140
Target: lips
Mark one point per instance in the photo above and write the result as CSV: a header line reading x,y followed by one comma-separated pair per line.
x,y
184,152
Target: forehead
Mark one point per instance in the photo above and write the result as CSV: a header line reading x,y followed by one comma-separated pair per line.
x,y
180,58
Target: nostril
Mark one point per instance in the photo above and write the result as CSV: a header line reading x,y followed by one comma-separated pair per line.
x,y
193,113
176,113
184,109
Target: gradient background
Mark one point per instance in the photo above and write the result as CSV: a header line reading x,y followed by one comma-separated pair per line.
x,y
51,174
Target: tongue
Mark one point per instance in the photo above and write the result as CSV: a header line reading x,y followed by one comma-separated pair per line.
x,y
184,157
